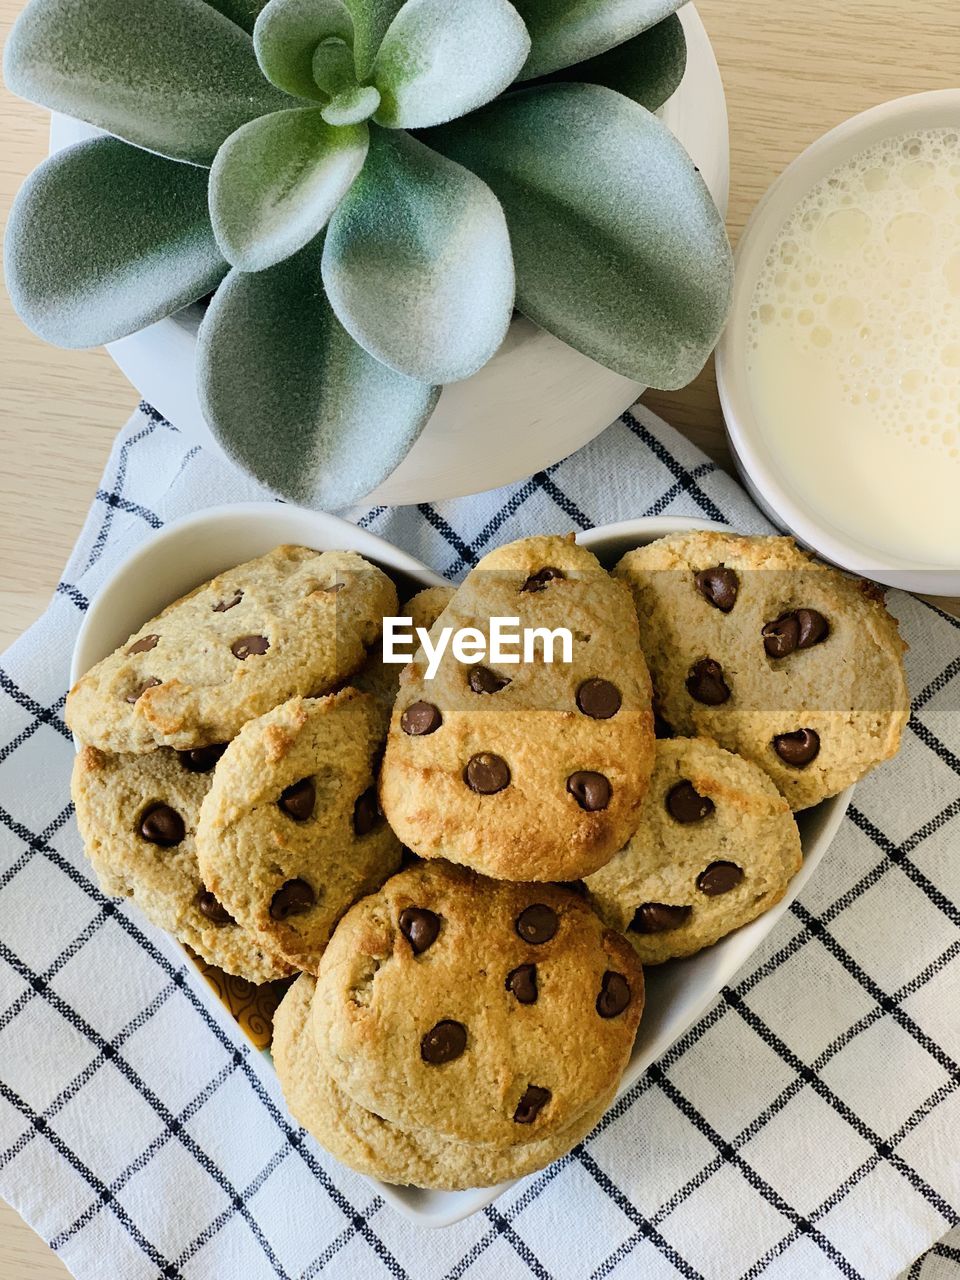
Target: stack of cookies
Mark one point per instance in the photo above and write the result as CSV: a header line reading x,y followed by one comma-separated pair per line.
x,y
254,775
221,783
462,1031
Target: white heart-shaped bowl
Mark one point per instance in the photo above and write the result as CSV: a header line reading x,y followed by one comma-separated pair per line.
x,y
189,551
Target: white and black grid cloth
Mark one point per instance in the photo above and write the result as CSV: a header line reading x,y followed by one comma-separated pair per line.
x,y
808,1126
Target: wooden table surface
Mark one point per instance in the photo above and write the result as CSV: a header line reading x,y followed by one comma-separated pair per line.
x,y
792,69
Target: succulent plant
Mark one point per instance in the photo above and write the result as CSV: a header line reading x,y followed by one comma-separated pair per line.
x,y
370,186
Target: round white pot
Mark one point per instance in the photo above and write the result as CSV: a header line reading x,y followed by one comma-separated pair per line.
x,y
535,402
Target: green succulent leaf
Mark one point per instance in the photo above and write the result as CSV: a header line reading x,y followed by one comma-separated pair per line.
x,y
243,12
104,239
438,61
568,31
352,106
417,262
287,34
648,69
289,394
333,69
175,77
371,18
277,180
619,249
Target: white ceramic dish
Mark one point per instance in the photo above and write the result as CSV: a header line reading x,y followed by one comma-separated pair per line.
x,y
535,402
770,488
187,552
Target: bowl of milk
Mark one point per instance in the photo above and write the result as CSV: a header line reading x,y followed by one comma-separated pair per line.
x,y
839,372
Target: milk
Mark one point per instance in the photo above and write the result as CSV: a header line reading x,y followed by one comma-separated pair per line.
x,y
854,348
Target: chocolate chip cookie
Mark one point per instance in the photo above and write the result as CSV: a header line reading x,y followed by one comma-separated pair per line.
x,y
294,621
716,847
368,1143
484,1011
382,679
526,770
138,818
776,656
290,833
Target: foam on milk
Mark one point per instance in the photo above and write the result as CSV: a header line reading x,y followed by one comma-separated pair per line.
x,y
854,347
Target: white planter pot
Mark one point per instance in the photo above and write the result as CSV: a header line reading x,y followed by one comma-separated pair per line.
x,y
535,402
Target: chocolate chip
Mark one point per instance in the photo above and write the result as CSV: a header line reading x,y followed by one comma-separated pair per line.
x,y
614,995
247,646
144,644
719,877
486,773
522,981
421,718
141,689
592,791
599,699
801,629
213,908
483,680
298,799
531,1104
813,628
292,899
366,812
202,759
223,605
537,923
686,804
706,684
780,637
443,1043
162,825
420,928
718,586
538,581
658,917
799,748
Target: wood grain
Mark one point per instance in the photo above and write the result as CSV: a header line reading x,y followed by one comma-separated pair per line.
x,y
23,1255
792,70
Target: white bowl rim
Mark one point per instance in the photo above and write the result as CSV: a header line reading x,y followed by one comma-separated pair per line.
x,y
88,647
782,503
434,1209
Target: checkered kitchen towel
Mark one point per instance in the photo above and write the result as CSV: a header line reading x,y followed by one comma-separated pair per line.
x,y
808,1126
